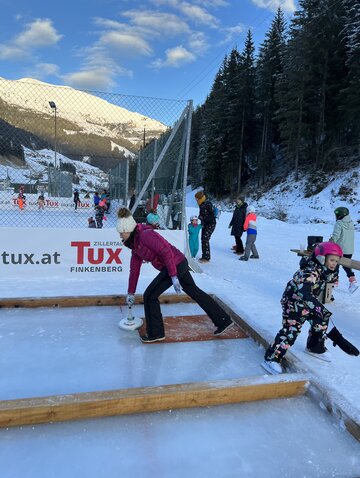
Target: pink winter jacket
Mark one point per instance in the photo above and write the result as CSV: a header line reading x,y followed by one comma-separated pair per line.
x,y
149,246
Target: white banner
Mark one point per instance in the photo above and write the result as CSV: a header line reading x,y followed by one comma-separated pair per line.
x,y
42,252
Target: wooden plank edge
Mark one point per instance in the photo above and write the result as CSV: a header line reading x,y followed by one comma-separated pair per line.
x,y
86,301
60,408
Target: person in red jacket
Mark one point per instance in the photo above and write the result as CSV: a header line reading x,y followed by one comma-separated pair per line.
x,y
149,246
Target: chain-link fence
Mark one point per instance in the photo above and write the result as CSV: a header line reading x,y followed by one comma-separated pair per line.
x,y
64,151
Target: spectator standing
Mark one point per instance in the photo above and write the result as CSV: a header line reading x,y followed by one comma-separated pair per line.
x,y
208,221
237,224
344,235
250,227
96,199
76,199
194,228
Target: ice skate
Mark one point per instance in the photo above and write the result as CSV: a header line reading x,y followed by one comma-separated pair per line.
x,y
274,368
325,356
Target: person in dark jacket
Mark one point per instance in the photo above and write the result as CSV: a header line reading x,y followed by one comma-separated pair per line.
x,y
208,221
76,198
147,245
132,200
237,224
301,301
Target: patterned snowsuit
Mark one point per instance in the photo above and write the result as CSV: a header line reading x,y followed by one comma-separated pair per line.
x,y
300,302
208,220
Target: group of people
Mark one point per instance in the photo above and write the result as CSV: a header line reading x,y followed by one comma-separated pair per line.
x,y
243,220
301,300
101,207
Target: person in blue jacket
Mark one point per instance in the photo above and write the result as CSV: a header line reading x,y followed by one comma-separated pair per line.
x,y
194,228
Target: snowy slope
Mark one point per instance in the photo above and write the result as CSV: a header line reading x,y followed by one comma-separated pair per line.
x,y
91,114
343,189
37,168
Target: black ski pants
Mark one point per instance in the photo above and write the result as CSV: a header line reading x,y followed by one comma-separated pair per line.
x,y
162,282
206,233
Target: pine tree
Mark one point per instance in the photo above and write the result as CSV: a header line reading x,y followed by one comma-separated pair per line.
x,y
350,98
269,69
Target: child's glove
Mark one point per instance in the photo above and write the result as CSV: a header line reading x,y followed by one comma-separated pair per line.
x,y
130,300
176,284
345,345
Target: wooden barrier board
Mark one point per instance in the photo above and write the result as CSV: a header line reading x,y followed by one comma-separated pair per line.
x,y
190,328
149,399
86,301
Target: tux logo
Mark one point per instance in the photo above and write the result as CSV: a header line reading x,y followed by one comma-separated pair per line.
x,y
95,256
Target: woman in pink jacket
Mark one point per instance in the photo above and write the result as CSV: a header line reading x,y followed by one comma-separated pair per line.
x,y
149,246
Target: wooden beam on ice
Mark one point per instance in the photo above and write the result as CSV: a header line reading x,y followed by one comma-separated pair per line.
x,y
344,261
149,399
86,301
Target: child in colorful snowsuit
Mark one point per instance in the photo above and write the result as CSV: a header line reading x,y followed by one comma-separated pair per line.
x,y
344,235
250,227
301,301
194,228
99,213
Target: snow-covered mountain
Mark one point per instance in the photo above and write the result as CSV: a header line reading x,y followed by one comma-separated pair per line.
x,y
84,124
90,113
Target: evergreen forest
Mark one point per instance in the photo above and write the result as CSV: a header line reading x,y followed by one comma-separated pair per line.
x,y
294,107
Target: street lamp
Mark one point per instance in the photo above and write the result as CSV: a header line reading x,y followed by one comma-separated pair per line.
x,y
53,106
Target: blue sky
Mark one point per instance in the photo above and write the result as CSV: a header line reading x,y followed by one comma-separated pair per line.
x,y
157,48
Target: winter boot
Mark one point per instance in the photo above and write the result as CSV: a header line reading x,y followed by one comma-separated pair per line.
x,y
315,346
353,285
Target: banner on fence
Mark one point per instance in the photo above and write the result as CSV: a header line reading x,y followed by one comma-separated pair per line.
x,y
26,253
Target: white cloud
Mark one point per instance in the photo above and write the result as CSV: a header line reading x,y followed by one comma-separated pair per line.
x,y
214,3
198,43
11,52
286,5
100,78
97,72
41,70
125,44
175,58
233,33
39,33
198,14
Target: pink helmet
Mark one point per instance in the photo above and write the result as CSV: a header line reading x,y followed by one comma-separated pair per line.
x,y
326,248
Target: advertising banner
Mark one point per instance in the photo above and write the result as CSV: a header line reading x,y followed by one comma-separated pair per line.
x,y
69,253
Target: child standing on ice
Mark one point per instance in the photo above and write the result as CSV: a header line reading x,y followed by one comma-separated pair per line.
x,y
194,228
250,227
301,302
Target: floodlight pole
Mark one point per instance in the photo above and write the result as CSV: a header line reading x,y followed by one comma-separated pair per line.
x,y
53,106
